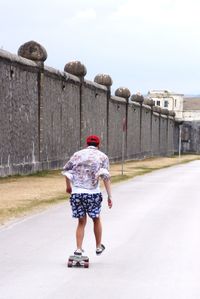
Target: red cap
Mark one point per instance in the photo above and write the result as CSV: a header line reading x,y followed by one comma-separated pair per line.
x,y
93,138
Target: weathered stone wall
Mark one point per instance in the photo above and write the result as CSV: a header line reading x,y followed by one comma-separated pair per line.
x,y
170,136
163,135
94,112
18,116
46,114
133,131
117,115
190,137
59,118
176,137
155,134
146,131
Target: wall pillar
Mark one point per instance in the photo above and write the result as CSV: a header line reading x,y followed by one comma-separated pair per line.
x,y
105,80
78,69
36,52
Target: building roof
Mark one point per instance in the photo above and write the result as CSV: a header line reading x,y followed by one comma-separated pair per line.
x,y
191,103
163,93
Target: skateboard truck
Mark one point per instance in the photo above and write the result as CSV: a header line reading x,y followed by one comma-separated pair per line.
x,y
78,262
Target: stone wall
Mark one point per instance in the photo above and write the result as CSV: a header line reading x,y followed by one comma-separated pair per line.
x,y
133,131
46,114
155,134
146,131
117,115
94,112
190,137
170,139
163,135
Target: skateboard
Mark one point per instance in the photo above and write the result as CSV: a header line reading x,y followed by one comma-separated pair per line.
x,y
78,261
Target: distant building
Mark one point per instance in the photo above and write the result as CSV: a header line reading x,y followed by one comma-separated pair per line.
x,y
191,109
187,111
168,100
186,108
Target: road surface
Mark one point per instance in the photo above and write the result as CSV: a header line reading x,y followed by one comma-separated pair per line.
x,y
152,239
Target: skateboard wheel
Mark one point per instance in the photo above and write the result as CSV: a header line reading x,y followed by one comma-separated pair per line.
x,y
86,265
69,264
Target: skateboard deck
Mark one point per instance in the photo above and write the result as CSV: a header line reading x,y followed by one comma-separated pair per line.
x,y
78,261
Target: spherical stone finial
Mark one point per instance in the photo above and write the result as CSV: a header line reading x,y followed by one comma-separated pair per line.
x,y
165,111
172,113
157,109
149,102
123,92
137,98
103,79
76,68
33,51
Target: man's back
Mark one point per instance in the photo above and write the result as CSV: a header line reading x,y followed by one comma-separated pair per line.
x,y
85,167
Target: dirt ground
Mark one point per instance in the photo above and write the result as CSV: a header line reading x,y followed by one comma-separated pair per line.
x,y
20,196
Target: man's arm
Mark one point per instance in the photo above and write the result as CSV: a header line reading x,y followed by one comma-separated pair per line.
x,y
68,186
68,176
108,190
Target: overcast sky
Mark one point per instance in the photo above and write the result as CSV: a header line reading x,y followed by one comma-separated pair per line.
x,y
142,44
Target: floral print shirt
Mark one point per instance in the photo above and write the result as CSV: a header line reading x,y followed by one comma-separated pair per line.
x,y
86,166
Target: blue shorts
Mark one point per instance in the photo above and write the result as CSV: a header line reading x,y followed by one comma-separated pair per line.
x,y
84,203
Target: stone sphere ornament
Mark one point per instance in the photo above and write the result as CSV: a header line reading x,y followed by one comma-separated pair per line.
x,y
137,98
103,79
172,113
149,102
76,68
157,109
123,92
165,111
33,51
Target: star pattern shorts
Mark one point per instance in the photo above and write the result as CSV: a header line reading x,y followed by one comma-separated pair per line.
x,y
84,203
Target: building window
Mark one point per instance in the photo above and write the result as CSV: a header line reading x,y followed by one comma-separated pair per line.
x,y
158,103
166,104
175,103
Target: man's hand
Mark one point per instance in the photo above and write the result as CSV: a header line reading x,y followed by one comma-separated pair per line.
x,y
110,204
68,185
69,190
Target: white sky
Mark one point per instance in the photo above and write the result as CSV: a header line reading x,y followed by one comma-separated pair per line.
x,y
141,44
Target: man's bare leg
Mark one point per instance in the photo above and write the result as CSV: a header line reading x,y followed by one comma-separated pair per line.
x,y
80,231
97,231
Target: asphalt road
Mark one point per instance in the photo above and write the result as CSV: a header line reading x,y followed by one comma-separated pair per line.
x,y
152,239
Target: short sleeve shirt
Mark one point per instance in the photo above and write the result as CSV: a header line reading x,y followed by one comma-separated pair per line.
x,y
86,166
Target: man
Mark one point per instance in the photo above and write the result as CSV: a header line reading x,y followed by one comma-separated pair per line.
x,y
82,173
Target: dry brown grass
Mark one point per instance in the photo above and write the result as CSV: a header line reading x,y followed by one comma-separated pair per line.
x,y
20,196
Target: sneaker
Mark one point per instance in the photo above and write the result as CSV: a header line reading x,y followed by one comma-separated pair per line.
x,y
78,252
100,249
